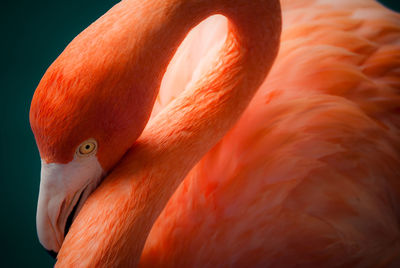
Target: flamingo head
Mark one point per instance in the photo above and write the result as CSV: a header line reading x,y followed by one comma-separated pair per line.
x,y
83,122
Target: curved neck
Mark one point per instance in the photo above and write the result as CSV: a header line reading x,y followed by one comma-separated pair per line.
x,y
118,216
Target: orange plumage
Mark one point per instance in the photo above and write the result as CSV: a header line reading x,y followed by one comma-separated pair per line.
x,y
309,176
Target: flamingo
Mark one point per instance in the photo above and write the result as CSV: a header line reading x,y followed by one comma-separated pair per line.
x,y
224,167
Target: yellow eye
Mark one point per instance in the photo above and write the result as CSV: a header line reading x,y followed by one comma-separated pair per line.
x,y
87,147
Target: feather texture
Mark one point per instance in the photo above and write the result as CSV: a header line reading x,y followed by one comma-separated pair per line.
x,y
310,175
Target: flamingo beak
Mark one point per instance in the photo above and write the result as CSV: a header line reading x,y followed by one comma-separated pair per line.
x,y
63,190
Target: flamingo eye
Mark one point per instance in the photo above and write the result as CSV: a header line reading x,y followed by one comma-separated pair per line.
x,y
88,147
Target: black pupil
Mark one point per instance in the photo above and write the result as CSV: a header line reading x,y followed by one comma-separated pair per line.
x,y
87,146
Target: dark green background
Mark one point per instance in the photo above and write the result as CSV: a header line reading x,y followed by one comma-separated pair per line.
x,y
33,34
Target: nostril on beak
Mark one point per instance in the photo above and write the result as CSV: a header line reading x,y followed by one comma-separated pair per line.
x,y
52,254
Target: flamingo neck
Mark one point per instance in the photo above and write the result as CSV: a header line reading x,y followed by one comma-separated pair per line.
x,y
112,227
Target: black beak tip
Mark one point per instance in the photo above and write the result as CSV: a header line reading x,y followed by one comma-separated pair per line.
x,y
52,254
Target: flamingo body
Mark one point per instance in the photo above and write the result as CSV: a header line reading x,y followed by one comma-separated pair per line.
x,y
309,176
